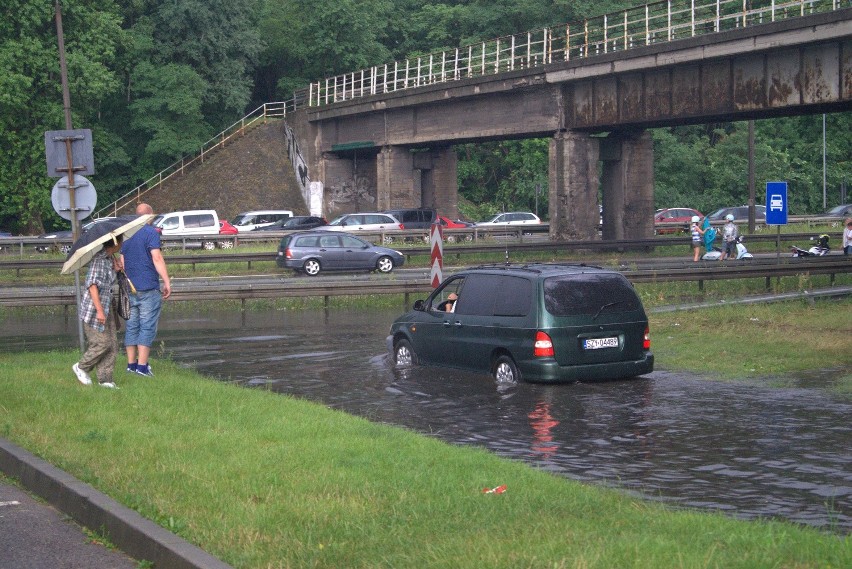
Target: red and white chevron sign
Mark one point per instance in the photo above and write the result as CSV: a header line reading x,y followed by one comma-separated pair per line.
x,y
436,240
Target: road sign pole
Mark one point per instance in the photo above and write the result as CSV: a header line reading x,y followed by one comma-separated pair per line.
x,y
66,103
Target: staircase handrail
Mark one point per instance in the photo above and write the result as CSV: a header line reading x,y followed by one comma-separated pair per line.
x,y
265,111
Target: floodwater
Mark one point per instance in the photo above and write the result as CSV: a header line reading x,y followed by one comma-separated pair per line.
x,y
747,449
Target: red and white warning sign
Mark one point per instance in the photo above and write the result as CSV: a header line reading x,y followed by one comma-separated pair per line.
x,y
436,241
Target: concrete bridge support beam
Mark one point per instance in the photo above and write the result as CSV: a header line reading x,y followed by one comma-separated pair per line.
x,y
395,180
443,188
573,182
627,185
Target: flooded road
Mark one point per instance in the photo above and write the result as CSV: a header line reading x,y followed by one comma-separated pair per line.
x,y
747,449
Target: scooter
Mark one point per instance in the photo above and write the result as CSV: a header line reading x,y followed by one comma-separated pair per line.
x,y
819,250
716,253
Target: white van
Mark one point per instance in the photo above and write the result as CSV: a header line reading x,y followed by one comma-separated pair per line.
x,y
249,220
196,222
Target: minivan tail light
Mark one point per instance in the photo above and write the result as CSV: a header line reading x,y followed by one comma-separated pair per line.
x,y
543,345
288,253
646,343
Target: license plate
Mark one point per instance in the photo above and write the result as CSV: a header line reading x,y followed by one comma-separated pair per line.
x,y
598,343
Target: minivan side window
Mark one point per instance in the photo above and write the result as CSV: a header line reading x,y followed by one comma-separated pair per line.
x,y
495,295
170,223
198,220
570,295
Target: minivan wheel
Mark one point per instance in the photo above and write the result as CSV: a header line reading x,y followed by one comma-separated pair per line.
x,y
505,370
384,264
209,245
226,244
312,267
403,354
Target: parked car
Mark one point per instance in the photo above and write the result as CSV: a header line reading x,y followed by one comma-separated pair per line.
x,y
375,222
66,234
448,223
296,223
225,228
314,251
249,220
512,218
674,219
414,218
840,211
197,226
536,322
740,213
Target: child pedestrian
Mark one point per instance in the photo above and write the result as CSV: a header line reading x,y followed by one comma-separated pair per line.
x,y
99,323
730,233
697,236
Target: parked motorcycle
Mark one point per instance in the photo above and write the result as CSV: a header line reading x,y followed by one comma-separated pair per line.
x,y
716,253
819,250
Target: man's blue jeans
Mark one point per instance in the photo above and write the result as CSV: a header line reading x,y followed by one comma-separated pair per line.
x,y
145,308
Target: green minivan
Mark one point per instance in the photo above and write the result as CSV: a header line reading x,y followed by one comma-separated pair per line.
x,y
542,323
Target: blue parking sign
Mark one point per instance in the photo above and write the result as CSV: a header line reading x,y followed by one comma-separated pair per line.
x,y
776,203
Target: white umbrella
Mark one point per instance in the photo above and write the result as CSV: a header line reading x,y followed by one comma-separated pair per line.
x,y
93,240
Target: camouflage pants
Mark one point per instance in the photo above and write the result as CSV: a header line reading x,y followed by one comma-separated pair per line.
x,y
101,350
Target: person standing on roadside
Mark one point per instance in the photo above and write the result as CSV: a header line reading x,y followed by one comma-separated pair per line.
x,y
697,236
99,329
144,265
847,236
730,233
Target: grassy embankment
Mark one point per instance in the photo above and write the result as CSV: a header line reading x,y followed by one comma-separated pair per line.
x,y
263,480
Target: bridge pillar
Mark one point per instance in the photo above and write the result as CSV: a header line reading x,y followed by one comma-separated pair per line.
x,y
395,183
627,185
442,183
573,182
427,178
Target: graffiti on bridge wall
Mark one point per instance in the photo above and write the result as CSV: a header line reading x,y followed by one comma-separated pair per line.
x,y
351,195
300,167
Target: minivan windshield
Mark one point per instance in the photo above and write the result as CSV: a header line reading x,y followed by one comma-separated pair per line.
x,y
569,295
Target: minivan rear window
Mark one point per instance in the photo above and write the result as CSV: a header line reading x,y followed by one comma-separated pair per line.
x,y
569,295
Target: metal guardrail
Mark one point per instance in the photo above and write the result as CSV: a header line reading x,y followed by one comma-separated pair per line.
x,y
458,250
53,296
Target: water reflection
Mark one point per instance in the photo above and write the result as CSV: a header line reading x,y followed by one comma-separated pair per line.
x,y
746,449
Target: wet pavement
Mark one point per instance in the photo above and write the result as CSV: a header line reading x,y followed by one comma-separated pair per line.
x,y
750,449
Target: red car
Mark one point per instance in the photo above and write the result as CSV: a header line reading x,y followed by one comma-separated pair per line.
x,y
452,237
225,228
674,220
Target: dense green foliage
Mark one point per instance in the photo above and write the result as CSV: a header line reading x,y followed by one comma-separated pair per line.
x,y
155,79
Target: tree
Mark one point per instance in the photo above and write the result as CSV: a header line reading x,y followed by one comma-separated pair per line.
x,y
31,94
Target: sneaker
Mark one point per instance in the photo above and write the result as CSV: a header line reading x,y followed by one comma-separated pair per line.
x,y
131,368
82,376
108,384
145,370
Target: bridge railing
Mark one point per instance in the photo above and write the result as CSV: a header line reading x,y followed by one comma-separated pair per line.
x,y
634,27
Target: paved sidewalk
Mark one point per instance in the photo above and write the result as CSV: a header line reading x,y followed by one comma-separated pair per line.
x,y
34,535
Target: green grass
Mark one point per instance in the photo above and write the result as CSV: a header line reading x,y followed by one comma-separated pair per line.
x,y
758,340
264,480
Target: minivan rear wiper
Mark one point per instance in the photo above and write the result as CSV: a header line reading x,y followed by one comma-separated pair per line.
x,y
607,305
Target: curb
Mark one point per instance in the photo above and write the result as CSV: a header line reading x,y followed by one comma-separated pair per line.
x,y
135,535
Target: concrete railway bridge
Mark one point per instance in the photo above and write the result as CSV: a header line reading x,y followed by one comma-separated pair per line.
x,y
383,137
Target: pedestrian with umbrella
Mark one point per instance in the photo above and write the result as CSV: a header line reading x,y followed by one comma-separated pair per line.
x,y
97,248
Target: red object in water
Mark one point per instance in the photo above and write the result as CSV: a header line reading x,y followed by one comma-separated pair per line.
x,y
497,490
